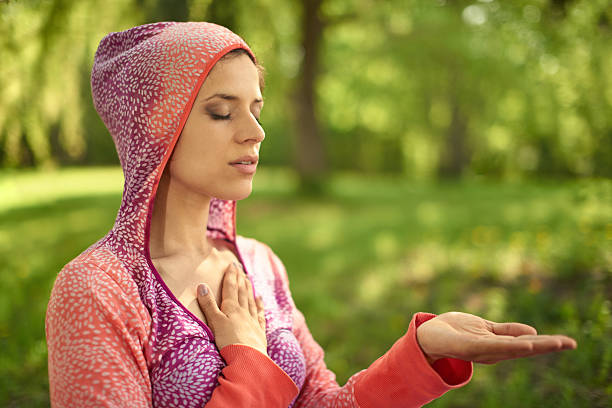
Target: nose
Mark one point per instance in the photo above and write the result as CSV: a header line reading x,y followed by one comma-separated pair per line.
x,y
251,131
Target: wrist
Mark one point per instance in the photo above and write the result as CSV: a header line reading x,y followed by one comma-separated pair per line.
x,y
430,357
263,350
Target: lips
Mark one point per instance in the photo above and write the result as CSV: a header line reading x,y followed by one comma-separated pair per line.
x,y
245,164
246,160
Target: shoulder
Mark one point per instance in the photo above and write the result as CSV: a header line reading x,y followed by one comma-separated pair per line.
x,y
94,270
95,280
258,255
253,246
96,325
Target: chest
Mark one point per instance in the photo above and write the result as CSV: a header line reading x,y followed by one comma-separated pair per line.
x,y
186,363
183,275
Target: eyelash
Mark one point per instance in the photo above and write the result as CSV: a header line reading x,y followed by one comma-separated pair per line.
x,y
227,117
219,117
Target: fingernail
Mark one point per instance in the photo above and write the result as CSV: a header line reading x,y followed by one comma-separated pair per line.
x,y
202,289
237,265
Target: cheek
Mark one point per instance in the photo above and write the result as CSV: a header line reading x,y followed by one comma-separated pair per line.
x,y
199,158
189,163
202,152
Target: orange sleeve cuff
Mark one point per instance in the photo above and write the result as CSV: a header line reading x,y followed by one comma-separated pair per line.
x,y
251,378
402,377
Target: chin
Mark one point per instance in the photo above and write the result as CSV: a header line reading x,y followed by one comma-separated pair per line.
x,y
241,197
236,194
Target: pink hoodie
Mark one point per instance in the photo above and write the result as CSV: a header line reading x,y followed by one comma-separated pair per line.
x,y
118,337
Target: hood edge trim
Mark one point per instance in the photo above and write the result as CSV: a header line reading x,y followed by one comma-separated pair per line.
x,y
161,167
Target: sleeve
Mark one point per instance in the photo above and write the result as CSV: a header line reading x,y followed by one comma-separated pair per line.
x,y
95,337
402,377
251,379
190,377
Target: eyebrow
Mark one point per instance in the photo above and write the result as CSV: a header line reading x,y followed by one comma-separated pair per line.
x,y
228,97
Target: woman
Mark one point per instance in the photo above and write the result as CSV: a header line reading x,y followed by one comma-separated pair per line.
x,y
171,308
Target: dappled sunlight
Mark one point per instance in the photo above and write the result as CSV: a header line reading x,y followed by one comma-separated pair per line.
x,y
376,282
333,265
429,214
483,235
270,180
491,303
324,233
386,246
461,154
37,187
361,260
423,262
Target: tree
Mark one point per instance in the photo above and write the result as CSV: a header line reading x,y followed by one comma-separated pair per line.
x,y
310,154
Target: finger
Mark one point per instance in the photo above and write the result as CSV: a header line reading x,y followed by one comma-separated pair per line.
x,y
230,288
512,329
550,343
243,294
523,330
252,304
568,342
495,348
260,305
499,348
208,304
261,317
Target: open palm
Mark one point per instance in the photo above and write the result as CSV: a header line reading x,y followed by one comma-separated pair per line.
x,y
471,338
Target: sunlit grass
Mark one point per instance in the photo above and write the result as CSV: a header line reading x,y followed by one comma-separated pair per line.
x,y
361,260
26,188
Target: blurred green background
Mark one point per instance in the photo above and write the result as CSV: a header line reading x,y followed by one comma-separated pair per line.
x,y
422,155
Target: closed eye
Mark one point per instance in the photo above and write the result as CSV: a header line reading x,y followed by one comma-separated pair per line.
x,y
219,117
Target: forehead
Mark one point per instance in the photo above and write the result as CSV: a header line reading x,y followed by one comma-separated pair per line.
x,y
237,75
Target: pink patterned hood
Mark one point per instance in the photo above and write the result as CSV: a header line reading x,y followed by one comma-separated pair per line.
x,y
144,82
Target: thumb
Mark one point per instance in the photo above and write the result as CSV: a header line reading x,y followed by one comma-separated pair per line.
x,y
208,304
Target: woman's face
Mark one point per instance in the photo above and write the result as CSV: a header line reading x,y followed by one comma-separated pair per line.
x,y
218,150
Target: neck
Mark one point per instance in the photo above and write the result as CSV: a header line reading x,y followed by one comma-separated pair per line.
x,y
179,220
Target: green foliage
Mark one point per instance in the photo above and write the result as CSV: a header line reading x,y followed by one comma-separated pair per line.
x,y
503,89
361,260
44,90
45,220
527,89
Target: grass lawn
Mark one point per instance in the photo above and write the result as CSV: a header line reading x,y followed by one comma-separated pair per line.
x,y
361,260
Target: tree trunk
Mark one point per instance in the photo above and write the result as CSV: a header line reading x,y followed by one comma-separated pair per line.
x,y
455,155
223,12
167,10
309,155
